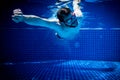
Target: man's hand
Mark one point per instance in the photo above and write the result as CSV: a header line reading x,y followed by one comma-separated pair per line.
x,y
17,15
17,12
76,8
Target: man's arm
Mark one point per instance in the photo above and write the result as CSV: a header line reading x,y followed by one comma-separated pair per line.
x,y
76,8
33,20
37,21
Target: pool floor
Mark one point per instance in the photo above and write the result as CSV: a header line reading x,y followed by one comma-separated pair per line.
x,y
61,70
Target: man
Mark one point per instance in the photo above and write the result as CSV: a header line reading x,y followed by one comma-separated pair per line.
x,y
66,27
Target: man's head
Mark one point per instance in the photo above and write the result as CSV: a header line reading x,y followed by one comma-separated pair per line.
x,y
66,16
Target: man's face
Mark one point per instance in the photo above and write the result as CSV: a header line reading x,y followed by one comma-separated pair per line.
x,y
70,20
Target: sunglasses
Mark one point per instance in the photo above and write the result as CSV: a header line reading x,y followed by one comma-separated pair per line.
x,y
70,21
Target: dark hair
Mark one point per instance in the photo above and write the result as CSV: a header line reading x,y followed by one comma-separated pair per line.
x,y
63,12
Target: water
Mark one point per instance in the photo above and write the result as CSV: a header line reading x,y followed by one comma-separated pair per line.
x,y
35,53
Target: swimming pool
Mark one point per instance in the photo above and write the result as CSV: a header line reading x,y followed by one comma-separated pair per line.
x,y
35,53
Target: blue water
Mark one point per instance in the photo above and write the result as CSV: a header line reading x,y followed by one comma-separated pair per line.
x,y
35,53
